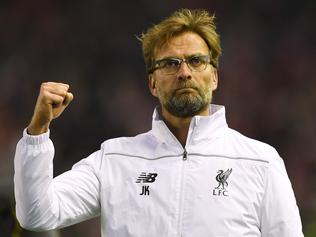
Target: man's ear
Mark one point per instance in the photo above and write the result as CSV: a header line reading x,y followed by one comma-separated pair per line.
x,y
152,85
214,79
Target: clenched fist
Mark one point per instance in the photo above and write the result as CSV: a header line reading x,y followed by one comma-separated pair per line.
x,y
52,100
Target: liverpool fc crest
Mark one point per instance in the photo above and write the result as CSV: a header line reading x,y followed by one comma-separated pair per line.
x,y
221,178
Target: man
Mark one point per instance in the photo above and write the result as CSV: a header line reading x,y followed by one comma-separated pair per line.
x,y
190,175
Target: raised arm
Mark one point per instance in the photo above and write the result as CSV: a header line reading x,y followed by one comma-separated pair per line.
x,y
44,202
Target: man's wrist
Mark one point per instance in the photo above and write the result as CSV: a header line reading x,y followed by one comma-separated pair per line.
x,y
37,130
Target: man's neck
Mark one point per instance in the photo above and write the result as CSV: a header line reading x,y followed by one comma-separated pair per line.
x,y
180,126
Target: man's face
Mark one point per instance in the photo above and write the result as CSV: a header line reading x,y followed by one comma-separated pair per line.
x,y
186,92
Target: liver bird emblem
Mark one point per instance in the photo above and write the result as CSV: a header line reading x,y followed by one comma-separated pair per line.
x,y
222,177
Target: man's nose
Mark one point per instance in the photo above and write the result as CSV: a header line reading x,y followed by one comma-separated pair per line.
x,y
184,72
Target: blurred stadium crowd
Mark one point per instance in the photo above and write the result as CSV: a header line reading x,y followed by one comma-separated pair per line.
x,y
267,82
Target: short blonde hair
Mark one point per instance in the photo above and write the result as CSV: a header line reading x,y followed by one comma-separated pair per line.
x,y
184,20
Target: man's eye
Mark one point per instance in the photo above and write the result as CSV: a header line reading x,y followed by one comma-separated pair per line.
x,y
171,63
195,61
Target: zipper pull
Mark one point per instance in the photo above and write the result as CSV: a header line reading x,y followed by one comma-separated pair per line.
x,y
185,155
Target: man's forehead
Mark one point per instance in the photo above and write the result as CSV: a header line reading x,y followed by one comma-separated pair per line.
x,y
185,44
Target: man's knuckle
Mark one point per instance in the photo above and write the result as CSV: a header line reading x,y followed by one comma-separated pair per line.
x,y
44,87
44,84
63,93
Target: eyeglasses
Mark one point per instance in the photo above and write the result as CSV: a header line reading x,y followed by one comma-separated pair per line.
x,y
171,65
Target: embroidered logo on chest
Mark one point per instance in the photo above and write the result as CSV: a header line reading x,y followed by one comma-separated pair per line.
x,y
221,178
146,178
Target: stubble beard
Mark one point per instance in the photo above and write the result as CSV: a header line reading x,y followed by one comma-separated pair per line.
x,y
187,104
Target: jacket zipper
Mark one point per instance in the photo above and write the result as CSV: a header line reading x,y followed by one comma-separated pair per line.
x,y
185,155
181,198
181,201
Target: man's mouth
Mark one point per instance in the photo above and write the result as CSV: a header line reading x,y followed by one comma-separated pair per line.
x,y
185,90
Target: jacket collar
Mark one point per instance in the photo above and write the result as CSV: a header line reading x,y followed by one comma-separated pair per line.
x,y
201,127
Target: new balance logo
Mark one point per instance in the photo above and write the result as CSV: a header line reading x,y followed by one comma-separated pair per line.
x,y
146,178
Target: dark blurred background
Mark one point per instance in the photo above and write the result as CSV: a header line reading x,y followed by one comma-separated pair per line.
x,y
267,82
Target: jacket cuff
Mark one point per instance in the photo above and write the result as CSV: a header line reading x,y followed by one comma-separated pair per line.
x,y
35,139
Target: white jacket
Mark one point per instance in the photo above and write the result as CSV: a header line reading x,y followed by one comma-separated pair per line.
x,y
222,184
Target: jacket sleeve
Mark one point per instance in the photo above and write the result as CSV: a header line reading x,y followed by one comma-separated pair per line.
x,y
44,202
280,214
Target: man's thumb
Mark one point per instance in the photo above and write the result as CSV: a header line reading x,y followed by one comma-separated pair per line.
x,y
68,98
